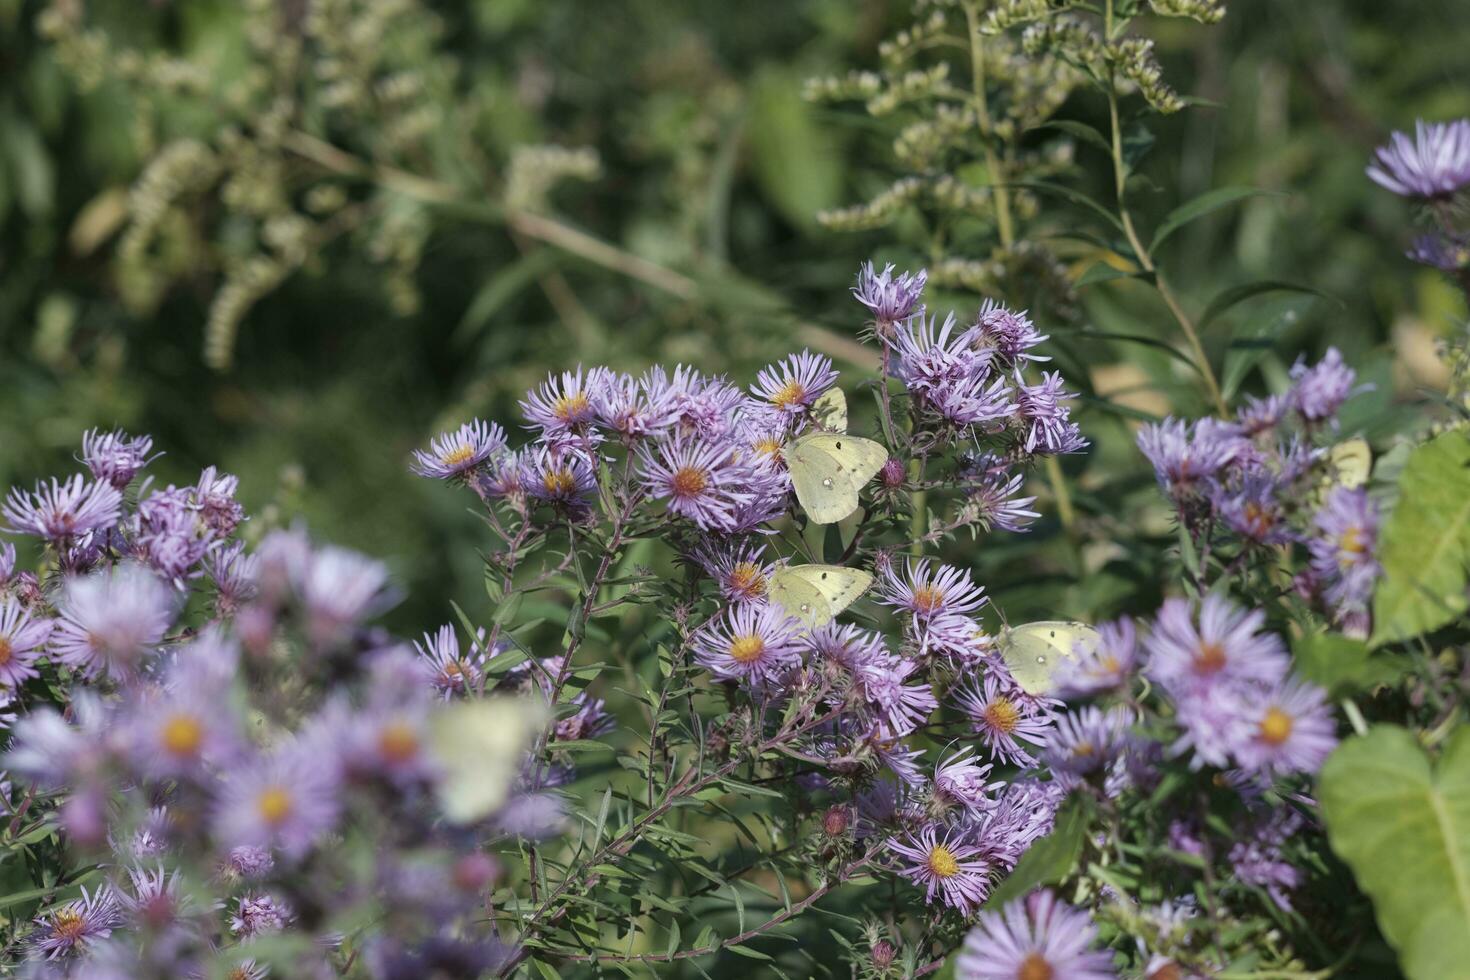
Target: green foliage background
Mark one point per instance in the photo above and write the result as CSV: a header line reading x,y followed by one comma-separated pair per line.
x,y
712,166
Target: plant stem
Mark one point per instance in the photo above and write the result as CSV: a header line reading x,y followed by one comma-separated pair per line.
x,y
1120,181
982,110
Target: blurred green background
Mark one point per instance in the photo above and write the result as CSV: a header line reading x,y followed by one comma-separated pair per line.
x,y
405,317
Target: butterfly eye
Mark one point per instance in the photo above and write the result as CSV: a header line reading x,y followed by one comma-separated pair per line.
x,y
1041,659
805,607
827,483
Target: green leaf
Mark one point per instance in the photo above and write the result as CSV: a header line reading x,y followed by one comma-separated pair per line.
x,y
1239,294
1050,859
1079,131
754,954
1403,826
546,969
796,161
1342,664
1075,196
1425,544
1199,207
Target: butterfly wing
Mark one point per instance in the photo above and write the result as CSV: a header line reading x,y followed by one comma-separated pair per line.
x,y
840,586
478,745
830,411
827,471
1033,651
799,597
1352,461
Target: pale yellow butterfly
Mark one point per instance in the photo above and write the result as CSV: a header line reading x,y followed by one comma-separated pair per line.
x,y
830,411
1034,651
1352,461
815,594
828,469
479,747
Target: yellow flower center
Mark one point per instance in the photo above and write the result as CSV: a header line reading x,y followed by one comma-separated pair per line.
x,y
458,456
1209,658
398,742
1350,546
789,394
1275,727
182,735
570,407
1002,715
689,481
274,805
1108,664
747,648
747,579
769,446
1035,967
1258,520
943,862
1083,750
6,651
558,482
68,924
927,599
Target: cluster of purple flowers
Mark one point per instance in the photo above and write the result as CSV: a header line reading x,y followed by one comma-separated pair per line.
x,y
1272,478
223,773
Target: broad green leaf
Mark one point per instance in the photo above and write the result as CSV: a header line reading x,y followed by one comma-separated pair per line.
x,y
796,161
1342,664
1425,543
1403,826
1239,294
1050,859
1199,207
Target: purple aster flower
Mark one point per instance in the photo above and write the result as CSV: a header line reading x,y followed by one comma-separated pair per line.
x,y
1435,163
901,706
972,400
115,457
738,569
7,561
950,867
21,638
706,406
1010,334
74,927
500,477
702,481
339,589
286,800
1084,742
1212,722
156,901
951,636
1343,547
961,781
793,384
1254,510
1259,415
1109,666
927,592
932,357
390,742
563,477
636,408
1184,460
1225,648
563,405
1320,390
452,673
1049,428
49,750
190,725
900,759
260,914
169,534
1291,731
111,620
214,499
233,573
248,861
888,297
1448,253
536,816
1033,938
454,454
1003,720
755,643
1257,859
850,648
995,495
63,512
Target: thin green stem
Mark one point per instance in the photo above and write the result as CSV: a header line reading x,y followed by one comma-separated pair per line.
x,y
987,135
